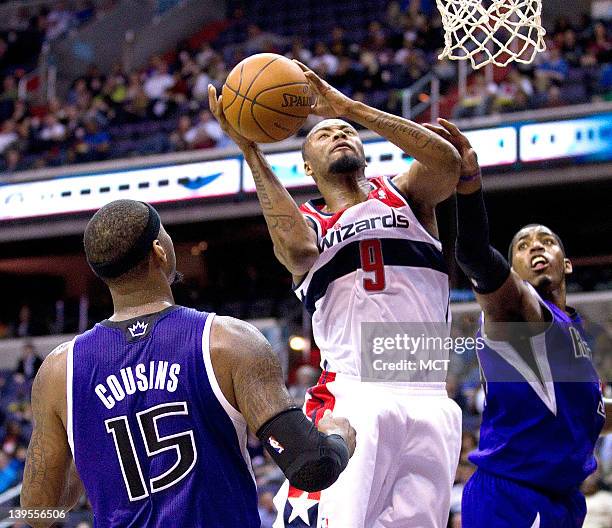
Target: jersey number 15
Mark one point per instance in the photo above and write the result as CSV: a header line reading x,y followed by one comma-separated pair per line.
x,y
183,443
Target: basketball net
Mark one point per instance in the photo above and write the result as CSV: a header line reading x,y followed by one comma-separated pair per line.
x,y
492,31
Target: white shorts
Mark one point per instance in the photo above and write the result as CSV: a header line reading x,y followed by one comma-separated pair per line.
x,y
402,472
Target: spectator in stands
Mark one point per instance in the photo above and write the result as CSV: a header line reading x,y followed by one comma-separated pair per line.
x,y
94,144
570,48
553,66
12,161
159,80
29,362
205,133
323,61
299,52
306,376
205,56
178,138
259,41
554,97
9,471
477,100
464,471
455,520
8,135
8,98
52,131
468,444
24,322
267,511
346,76
338,43
453,387
60,19
13,438
598,502
513,93
602,43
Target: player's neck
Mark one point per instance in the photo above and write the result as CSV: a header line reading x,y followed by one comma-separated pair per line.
x,y
344,190
556,296
139,299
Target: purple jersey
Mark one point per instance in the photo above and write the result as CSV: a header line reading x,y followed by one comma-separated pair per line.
x,y
155,442
541,421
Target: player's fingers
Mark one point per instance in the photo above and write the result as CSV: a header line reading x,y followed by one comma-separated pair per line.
x,y
315,81
451,127
438,130
454,131
301,65
212,99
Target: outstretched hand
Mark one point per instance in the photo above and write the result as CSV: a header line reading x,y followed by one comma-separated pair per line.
x,y
470,180
329,102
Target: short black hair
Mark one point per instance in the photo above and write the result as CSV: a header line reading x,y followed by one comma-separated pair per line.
x,y
113,230
305,144
514,239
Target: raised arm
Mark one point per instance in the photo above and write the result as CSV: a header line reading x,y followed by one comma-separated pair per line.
x,y
500,292
294,241
251,379
50,479
434,174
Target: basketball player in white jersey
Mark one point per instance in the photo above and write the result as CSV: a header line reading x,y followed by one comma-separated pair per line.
x,y
367,252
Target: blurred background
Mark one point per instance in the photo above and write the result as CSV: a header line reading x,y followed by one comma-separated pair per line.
x,y
103,99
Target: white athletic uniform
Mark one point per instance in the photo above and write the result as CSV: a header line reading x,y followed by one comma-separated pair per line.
x,y
377,263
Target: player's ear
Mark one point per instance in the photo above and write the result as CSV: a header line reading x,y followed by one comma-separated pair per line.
x,y
308,169
567,266
159,251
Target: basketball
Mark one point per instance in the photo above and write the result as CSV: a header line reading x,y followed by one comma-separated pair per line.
x,y
266,98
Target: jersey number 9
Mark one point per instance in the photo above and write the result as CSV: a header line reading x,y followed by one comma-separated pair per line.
x,y
372,262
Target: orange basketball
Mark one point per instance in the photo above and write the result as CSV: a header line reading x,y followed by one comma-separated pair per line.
x,y
266,98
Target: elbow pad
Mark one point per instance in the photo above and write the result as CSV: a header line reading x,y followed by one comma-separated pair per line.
x,y
310,460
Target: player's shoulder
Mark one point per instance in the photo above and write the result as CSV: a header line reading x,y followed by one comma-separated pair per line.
x,y
51,377
57,358
235,337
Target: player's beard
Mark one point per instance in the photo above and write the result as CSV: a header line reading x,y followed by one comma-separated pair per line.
x,y
346,163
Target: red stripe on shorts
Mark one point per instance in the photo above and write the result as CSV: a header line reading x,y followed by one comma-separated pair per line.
x,y
320,398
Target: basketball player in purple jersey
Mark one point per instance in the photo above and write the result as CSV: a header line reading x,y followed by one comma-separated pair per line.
x,y
543,407
150,408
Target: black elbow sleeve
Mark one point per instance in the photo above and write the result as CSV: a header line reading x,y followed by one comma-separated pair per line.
x,y
310,460
486,268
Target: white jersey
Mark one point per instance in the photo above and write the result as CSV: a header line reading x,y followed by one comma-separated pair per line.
x,y
377,263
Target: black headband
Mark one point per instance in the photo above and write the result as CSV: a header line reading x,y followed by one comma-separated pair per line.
x,y
140,249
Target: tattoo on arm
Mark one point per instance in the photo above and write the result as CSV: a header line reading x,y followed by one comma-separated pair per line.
x,y
281,222
259,386
264,198
40,471
398,127
48,458
36,465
